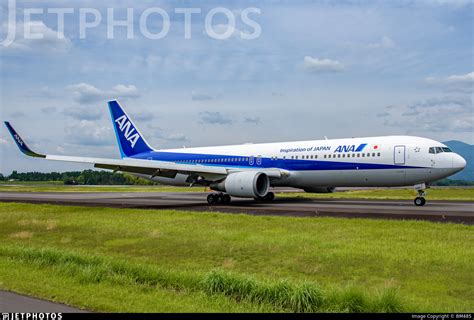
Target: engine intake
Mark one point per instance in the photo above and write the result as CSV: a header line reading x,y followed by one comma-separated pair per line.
x,y
248,184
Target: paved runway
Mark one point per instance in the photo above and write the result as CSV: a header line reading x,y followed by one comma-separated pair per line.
x,y
442,211
12,302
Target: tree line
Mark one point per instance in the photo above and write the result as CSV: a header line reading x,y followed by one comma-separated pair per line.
x,y
86,177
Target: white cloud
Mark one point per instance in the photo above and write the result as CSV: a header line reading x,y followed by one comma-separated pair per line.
x,y
84,113
214,118
384,43
315,65
443,114
176,137
88,133
49,41
462,82
467,78
85,93
124,91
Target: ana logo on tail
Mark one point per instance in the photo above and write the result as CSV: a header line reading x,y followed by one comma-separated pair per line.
x,y
128,130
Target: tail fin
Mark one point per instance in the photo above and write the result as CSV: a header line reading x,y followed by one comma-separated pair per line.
x,y
130,140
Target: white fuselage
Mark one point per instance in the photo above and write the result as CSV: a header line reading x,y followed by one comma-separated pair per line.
x,y
376,161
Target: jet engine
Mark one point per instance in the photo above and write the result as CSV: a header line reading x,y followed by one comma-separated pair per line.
x,y
320,190
250,184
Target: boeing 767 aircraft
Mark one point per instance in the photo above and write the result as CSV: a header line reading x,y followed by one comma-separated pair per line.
x,y
249,170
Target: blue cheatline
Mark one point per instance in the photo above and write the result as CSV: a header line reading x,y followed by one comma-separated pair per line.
x,y
240,161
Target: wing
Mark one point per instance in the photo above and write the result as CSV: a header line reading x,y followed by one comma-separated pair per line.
x,y
152,168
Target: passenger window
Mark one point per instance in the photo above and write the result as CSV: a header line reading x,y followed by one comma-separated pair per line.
x,y
316,157
373,154
378,154
296,157
338,155
363,155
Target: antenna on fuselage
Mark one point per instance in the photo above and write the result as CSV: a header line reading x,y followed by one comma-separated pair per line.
x,y
325,138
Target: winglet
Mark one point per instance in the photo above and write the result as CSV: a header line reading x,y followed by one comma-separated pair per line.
x,y
21,144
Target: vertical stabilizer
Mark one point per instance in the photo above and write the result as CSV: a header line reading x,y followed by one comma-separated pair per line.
x,y
129,138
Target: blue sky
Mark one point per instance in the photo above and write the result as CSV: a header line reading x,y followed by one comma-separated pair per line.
x,y
319,68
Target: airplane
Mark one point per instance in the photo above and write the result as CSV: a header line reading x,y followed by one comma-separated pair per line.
x,y
249,170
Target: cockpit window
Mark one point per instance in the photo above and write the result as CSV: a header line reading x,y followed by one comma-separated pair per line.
x,y
435,150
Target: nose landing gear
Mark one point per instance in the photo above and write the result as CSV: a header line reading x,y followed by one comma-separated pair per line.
x,y
420,200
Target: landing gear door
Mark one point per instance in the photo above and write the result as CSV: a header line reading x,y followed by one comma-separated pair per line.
x,y
399,155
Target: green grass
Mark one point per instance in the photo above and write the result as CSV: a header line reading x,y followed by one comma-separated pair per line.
x,y
463,194
172,261
29,183
63,188
86,269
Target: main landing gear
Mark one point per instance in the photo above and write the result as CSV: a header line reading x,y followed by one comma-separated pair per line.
x,y
269,197
218,198
223,198
420,200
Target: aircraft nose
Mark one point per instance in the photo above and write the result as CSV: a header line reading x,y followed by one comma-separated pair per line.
x,y
458,162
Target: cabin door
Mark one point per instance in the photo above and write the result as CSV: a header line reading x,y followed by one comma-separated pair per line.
x,y
399,155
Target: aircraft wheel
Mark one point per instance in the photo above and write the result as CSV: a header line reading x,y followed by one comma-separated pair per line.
x,y
226,199
269,197
220,198
420,201
211,199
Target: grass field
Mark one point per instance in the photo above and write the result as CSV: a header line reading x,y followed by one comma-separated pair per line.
x,y
464,194
172,261
29,183
63,188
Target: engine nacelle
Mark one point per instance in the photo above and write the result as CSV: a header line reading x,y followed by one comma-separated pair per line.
x,y
250,184
320,190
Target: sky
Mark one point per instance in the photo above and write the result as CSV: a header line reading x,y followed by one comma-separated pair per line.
x,y
310,69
